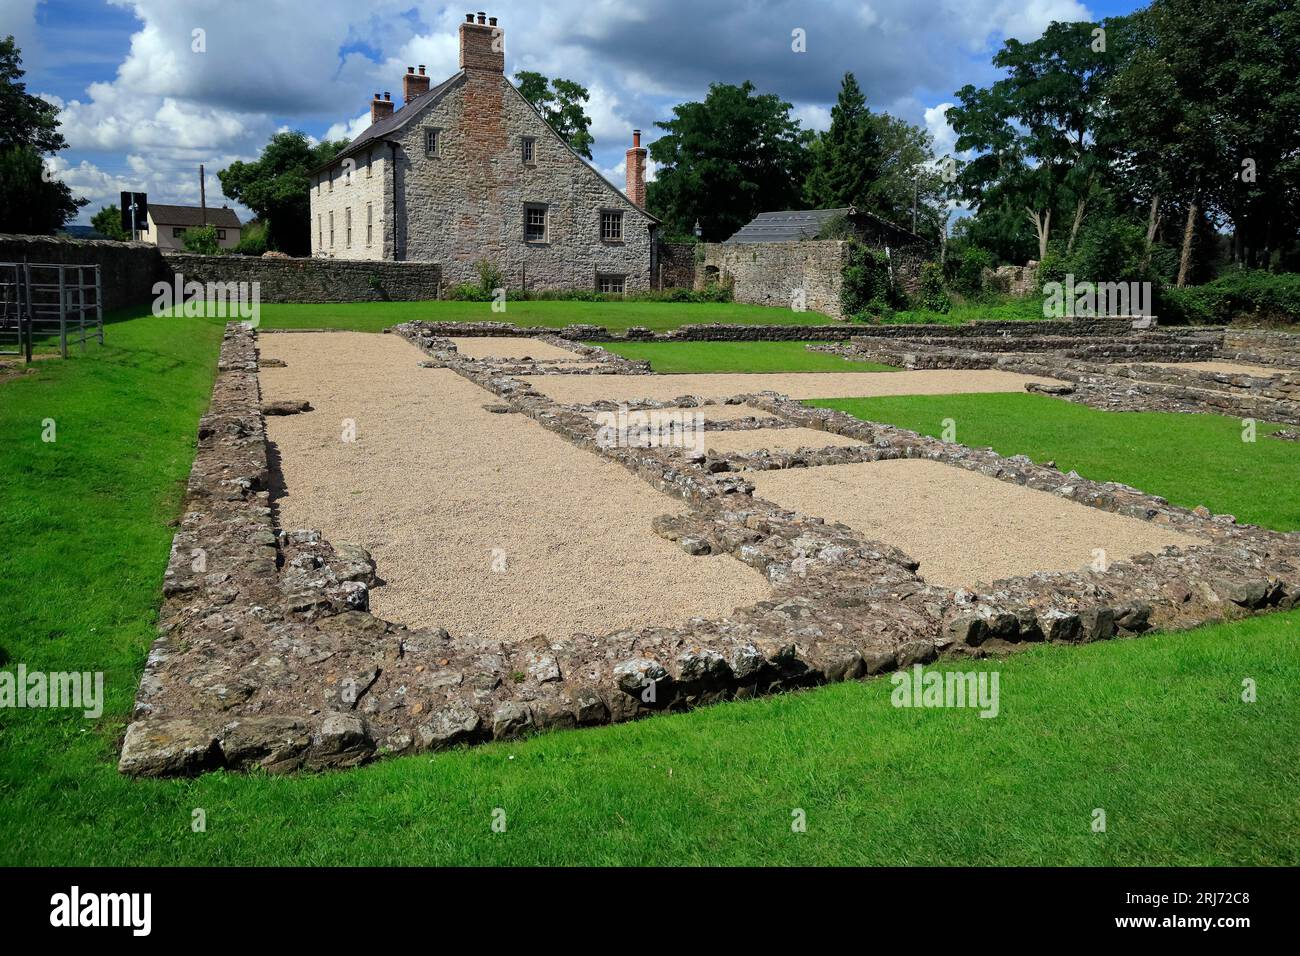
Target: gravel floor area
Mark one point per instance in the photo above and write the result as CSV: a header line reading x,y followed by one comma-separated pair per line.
x,y
1230,368
577,389
510,346
965,528
773,439
710,413
434,483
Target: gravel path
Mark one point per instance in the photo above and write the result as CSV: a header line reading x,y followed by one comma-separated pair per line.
x,y
774,439
510,346
433,483
965,528
711,413
578,389
1231,368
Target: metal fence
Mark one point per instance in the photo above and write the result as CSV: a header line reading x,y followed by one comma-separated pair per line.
x,y
42,301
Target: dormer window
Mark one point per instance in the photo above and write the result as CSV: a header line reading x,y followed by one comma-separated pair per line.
x,y
528,149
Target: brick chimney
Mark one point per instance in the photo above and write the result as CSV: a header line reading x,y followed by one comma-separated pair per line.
x,y
414,85
482,44
636,170
380,108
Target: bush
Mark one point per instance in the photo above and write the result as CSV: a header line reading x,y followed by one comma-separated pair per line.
x,y
968,270
1247,295
252,240
867,289
933,297
474,292
490,278
202,240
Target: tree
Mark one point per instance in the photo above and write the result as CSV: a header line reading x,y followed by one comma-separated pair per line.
x,y
202,240
277,187
723,161
846,159
562,104
908,176
30,200
108,223
1036,130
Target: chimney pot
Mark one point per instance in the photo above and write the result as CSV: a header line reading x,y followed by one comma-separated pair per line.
x,y
481,46
492,21
469,18
387,97
422,69
410,69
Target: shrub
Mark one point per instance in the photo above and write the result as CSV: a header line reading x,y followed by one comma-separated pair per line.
x,y
867,285
252,240
1246,295
933,297
202,240
490,278
968,271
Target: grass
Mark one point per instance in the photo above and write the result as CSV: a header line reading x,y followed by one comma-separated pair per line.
x,y
1004,309
677,357
615,316
1189,459
1151,730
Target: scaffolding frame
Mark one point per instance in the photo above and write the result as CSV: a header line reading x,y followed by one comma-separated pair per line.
x,y
41,300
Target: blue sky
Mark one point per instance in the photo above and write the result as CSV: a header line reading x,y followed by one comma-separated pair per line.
x,y
142,108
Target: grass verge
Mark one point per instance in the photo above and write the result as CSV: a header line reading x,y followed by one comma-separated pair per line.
x,y
683,357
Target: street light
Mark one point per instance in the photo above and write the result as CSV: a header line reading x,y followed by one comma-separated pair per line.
x,y
698,231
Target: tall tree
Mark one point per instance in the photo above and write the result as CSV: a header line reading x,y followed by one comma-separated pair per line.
x,y
908,178
846,159
726,159
1036,129
30,200
562,104
277,187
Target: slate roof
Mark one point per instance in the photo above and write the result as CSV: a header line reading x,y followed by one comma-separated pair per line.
x,y
790,225
222,218
377,132
794,225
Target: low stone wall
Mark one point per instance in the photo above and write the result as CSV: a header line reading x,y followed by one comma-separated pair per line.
x,y
315,280
675,265
779,273
127,270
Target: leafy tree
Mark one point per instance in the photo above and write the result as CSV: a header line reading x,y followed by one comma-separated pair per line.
x,y
277,187
846,159
562,104
909,176
726,159
1036,129
201,239
108,223
30,201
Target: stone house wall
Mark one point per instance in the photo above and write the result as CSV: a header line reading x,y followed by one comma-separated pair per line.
x,y
675,265
361,187
779,273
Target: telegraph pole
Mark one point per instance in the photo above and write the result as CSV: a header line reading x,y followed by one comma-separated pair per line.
x,y
203,195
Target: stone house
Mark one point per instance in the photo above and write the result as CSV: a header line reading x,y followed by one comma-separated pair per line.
x,y
467,171
165,225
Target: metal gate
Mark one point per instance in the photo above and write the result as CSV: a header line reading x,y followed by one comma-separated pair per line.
x,y
42,302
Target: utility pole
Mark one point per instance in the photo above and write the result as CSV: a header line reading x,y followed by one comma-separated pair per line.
x,y
203,195
915,181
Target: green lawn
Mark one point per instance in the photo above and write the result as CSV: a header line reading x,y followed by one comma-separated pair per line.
x,y
1189,459
615,316
676,357
1150,730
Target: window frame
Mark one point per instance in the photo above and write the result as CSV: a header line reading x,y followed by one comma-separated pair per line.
x,y
178,232
370,224
545,210
528,150
603,278
347,227
434,134
331,229
614,215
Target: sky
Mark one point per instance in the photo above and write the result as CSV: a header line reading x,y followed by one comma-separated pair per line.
x,y
149,89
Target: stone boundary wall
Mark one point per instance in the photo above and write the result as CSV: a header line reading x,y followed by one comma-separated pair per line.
x,y
772,273
268,658
128,270
675,265
315,280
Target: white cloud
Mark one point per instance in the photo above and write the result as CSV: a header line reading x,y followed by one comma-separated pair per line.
x,y
812,116
936,121
18,18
